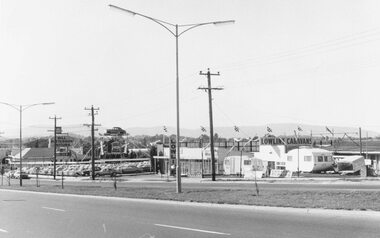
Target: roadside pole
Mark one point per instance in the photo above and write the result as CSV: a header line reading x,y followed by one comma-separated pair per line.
x,y
2,168
168,161
62,178
241,158
209,90
37,170
94,111
202,157
2,173
298,161
256,185
163,147
360,141
55,118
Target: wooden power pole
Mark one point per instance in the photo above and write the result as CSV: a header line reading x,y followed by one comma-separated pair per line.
x,y
93,113
209,90
55,118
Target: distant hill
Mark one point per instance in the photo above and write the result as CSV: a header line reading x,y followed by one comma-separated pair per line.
x,y
251,131
227,132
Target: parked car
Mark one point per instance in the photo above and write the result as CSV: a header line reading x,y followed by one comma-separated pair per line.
x,y
106,171
131,169
88,171
145,167
23,175
9,174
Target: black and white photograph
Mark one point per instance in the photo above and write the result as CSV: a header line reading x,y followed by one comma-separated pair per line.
x,y
190,118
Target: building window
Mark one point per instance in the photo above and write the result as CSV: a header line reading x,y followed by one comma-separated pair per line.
x,y
326,158
247,162
227,162
290,158
320,158
307,158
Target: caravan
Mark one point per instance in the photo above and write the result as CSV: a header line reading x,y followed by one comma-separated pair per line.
x,y
244,165
350,165
307,159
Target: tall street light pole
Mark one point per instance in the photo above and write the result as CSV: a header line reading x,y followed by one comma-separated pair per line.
x,y
176,33
22,108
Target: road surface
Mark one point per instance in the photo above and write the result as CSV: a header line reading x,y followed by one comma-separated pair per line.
x,y
28,214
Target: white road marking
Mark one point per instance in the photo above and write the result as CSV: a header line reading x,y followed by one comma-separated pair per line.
x,y
55,209
192,229
147,235
104,228
4,231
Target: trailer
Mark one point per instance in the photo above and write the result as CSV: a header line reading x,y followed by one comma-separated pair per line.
x,y
246,166
351,165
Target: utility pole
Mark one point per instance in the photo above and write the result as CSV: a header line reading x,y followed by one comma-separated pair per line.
x,y
1,164
55,118
209,90
93,113
360,141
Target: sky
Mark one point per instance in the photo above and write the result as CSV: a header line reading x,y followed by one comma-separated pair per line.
x,y
283,61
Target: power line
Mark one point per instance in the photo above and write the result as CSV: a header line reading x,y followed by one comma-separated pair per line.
x,y
334,44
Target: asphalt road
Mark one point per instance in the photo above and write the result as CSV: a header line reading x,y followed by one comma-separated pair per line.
x,y
27,214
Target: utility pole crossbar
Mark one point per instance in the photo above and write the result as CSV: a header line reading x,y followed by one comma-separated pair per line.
x,y
209,90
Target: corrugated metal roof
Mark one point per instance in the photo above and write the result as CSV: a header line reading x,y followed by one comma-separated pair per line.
x,y
36,153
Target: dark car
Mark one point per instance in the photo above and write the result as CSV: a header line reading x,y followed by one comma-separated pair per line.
x,y
23,175
89,171
131,169
107,171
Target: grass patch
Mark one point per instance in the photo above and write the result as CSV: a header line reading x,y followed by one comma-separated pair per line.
x,y
342,199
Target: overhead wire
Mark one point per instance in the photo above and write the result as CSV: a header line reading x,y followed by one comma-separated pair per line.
x,y
326,46
230,119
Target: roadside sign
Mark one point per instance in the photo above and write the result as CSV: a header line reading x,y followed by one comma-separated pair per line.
x,y
173,149
58,130
64,140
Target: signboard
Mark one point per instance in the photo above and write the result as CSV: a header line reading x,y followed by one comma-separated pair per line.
x,y
207,153
160,149
116,147
58,130
285,141
64,140
173,149
277,173
116,131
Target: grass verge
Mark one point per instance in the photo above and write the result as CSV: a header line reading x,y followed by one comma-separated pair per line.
x,y
344,199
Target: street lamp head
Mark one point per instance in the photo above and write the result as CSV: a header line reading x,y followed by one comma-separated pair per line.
x,y
220,23
48,103
131,13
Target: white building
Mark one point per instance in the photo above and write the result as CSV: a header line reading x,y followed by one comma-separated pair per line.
x,y
274,154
